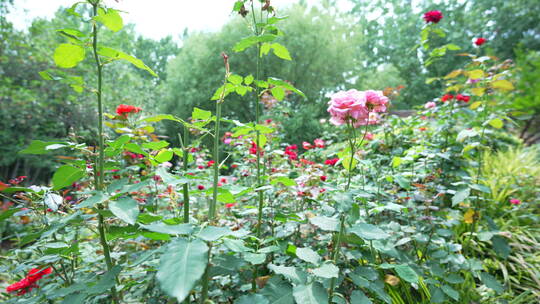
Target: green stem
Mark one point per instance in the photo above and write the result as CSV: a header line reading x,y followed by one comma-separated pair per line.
x,y
100,161
185,165
335,254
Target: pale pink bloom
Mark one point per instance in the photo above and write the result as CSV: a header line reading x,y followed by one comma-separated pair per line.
x,y
227,141
515,201
319,143
376,101
430,105
166,164
345,105
369,136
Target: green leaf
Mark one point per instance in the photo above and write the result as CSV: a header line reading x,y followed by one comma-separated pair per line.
x,y
396,161
496,123
460,196
368,231
451,292
308,255
252,299
501,247
98,198
248,79
119,55
326,271
283,180
402,181
182,264
281,51
42,147
235,79
125,209
406,273
110,18
325,223
278,291
251,41
211,233
313,293
255,258
199,114
169,229
68,55
65,176
290,273
358,297
491,282
155,145
106,281
164,156
278,93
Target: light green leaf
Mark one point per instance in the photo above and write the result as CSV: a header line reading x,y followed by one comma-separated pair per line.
x,y
68,55
278,93
281,51
211,233
496,123
460,196
278,291
181,266
110,18
169,229
65,176
252,299
313,293
326,271
199,114
98,198
248,79
291,273
125,209
119,55
325,223
368,231
308,255
42,147
164,156
235,79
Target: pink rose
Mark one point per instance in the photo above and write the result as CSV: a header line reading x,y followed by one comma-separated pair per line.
x,y
345,105
430,105
319,143
376,101
515,201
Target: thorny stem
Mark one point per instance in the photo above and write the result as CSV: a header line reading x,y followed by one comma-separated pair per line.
x,y
185,144
213,202
100,161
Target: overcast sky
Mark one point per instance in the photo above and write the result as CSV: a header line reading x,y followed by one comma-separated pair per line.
x,y
153,19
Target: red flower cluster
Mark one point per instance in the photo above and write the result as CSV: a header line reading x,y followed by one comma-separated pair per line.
x,y
480,41
447,97
133,155
331,161
210,163
230,205
464,98
123,110
433,16
291,152
254,148
29,282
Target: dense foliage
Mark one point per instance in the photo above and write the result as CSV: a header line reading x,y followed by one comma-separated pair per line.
x,y
228,199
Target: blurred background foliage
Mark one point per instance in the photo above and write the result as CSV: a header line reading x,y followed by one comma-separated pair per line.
x,y
372,46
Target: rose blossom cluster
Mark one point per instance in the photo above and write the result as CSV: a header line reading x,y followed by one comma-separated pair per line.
x,y
29,282
317,143
123,110
357,107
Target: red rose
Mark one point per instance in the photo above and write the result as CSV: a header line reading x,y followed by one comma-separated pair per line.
x,y
200,187
433,16
323,178
210,163
123,110
447,97
480,41
463,98
331,161
230,205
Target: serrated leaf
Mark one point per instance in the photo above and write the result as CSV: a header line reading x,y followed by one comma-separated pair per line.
x,y
181,266
368,231
278,93
248,79
325,223
281,51
308,255
126,209
119,55
326,271
68,55
313,293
